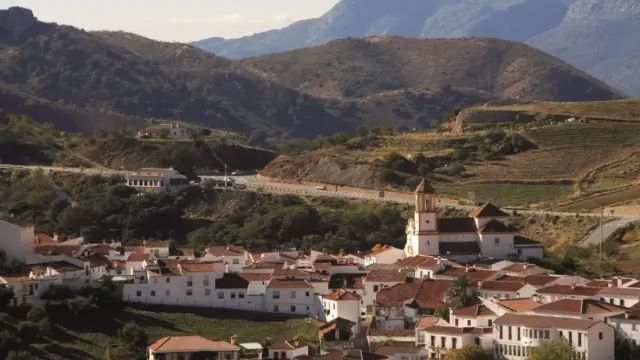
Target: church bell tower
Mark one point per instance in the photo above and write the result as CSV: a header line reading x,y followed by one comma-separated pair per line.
x,y
426,217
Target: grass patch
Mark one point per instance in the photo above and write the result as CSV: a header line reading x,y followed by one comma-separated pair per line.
x,y
507,194
85,337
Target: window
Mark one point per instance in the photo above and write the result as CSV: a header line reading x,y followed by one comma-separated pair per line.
x,y
560,334
610,301
433,340
293,308
443,342
579,339
376,287
600,337
622,302
500,331
509,332
306,307
454,343
236,261
155,280
456,322
276,308
570,337
634,327
141,277
306,294
468,322
518,332
189,292
546,334
189,280
207,291
167,292
233,295
602,299
241,295
496,241
205,281
153,293
168,280
490,323
220,295
293,294
275,295
138,293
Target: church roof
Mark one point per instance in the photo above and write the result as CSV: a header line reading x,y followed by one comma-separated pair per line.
x,y
457,225
495,226
460,248
488,210
425,187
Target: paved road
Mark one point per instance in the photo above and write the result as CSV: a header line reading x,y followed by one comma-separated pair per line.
x,y
607,230
254,184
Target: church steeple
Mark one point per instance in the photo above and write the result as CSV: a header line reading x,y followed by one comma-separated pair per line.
x,y
425,196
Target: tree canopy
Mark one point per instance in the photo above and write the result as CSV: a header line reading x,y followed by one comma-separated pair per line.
x,y
461,294
555,350
469,352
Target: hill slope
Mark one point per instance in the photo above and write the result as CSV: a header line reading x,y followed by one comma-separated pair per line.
x,y
128,74
362,67
581,32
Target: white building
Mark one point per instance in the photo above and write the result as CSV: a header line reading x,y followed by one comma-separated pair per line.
x,y
165,131
580,308
487,233
627,326
473,316
232,256
625,297
505,289
384,255
155,180
17,239
290,297
515,335
288,350
556,292
341,304
441,339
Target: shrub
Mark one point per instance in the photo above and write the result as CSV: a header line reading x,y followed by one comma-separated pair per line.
x,y
19,355
79,304
29,331
133,336
456,169
45,327
36,314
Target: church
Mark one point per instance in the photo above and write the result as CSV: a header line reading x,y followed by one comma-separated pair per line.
x,y
486,233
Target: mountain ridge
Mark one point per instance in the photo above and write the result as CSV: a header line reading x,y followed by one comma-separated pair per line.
x,y
554,26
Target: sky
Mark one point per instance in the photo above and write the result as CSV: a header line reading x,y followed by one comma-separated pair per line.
x,y
176,20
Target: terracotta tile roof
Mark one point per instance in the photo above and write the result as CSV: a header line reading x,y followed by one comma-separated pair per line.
x,y
519,305
190,344
353,281
103,249
289,272
459,248
496,227
322,266
265,265
501,285
136,257
511,278
384,276
224,251
315,276
186,252
372,267
119,264
59,266
68,250
488,210
165,271
232,281
427,294
413,261
575,290
288,345
579,306
474,274
137,249
197,267
518,267
43,239
540,280
341,294
474,311
457,225
426,321
452,330
523,241
168,262
289,284
261,276
97,260
618,291
545,322
326,258
599,283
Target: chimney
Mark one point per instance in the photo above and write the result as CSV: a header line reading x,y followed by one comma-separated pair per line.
x,y
573,286
479,284
234,339
610,284
438,260
296,343
618,281
144,243
626,314
466,269
55,237
345,352
341,252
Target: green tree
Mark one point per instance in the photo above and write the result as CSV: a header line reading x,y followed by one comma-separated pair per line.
x,y
79,305
36,314
456,169
6,295
44,327
57,293
461,294
362,131
133,336
556,350
469,352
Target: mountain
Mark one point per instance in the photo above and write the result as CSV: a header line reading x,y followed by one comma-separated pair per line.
x,y
87,81
127,74
359,68
596,35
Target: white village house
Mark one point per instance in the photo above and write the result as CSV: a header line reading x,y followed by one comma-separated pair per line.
x,y
157,180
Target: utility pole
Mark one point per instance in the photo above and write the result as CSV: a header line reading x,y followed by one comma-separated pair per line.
x,y
601,239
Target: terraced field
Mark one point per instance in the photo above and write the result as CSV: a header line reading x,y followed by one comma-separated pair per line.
x,y
583,135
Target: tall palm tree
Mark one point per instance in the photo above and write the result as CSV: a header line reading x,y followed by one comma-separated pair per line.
x,y
461,294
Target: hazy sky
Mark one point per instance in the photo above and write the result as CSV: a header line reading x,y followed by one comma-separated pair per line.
x,y
176,20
